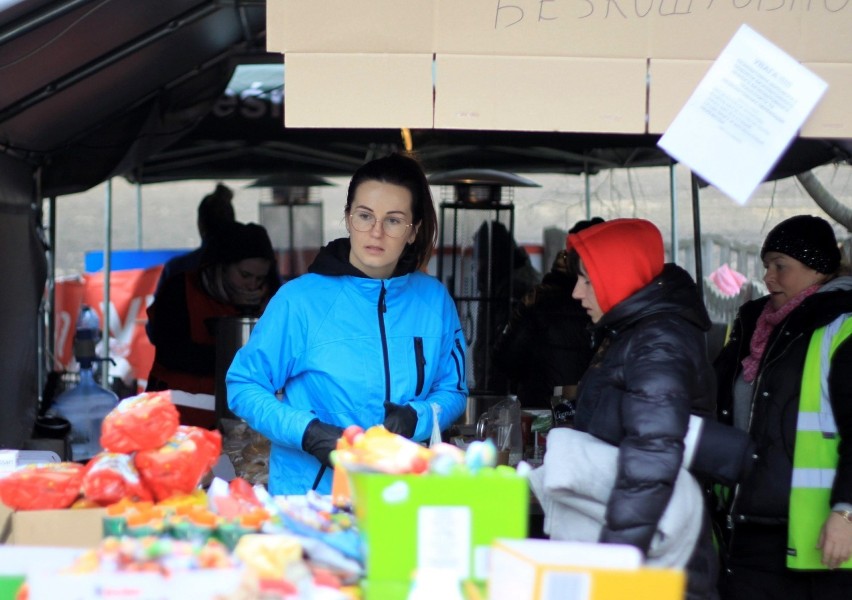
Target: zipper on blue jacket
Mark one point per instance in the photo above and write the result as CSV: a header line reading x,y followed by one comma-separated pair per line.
x,y
420,361
458,357
382,309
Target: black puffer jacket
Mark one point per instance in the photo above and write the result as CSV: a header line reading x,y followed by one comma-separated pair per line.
x,y
546,342
650,372
764,497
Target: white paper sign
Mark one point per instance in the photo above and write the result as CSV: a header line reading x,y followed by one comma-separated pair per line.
x,y
743,114
444,538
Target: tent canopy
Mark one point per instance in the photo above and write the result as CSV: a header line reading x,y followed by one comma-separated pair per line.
x,y
95,89
149,90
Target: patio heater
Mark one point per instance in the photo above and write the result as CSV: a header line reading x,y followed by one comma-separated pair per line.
x,y
476,261
291,211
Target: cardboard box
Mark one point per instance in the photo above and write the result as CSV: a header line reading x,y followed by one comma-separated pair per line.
x,y
831,118
339,26
540,93
70,528
590,29
358,90
547,570
411,522
671,84
502,96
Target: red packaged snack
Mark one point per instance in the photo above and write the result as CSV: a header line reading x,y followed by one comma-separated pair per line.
x,y
178,465
42,487
110,477
142,422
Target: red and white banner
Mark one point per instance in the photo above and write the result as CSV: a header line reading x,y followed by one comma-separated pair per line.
x,y
131,291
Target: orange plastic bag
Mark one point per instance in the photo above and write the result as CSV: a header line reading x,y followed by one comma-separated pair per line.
x,y
142,422
42,487
110,477
179,465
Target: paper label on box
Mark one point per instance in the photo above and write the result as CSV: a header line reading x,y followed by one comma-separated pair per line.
x,y
200,584
8,461
444,538
566,586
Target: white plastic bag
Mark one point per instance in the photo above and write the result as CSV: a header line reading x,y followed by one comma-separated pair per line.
x,y
436,426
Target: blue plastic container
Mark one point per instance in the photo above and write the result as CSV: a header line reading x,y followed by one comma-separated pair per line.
x,y
85,406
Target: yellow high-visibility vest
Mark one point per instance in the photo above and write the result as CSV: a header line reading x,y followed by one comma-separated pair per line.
x,y
815,455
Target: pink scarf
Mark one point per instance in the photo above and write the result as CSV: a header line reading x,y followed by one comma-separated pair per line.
x,y
766,322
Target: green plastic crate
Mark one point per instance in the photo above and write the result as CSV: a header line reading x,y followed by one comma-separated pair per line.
x,y
409,522
9,586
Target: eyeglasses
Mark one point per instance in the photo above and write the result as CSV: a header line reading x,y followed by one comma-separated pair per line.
x,y
364,221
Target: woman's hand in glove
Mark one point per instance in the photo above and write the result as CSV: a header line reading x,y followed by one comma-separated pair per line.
x,y
400,419
320,439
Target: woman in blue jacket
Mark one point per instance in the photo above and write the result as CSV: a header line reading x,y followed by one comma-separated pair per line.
x,y
365,337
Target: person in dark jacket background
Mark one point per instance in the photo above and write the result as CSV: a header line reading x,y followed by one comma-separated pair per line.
x,y
237,277
649,373
215,211
546,342
763,389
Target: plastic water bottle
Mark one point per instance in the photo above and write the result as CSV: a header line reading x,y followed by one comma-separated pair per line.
x,y
86,404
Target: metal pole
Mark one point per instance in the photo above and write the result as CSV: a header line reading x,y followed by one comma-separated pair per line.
x,y
138,216
696,234
673,196
107,271
588,191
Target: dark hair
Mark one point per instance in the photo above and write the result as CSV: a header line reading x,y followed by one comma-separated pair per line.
x,y
405,171
573,263
572,259
215,210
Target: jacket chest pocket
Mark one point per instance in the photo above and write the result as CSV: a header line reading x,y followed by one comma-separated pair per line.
x,y
420,365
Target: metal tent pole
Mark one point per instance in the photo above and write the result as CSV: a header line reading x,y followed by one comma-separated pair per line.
x,y
673,197
107,269
696,234
138,216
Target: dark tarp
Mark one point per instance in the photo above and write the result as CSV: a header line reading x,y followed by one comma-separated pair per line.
x,y
93,89
89,89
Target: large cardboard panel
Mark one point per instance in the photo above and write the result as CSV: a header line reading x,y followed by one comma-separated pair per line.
x,y
671,84
358,90
74,528
825,36
673,81
350,26
810,31
831,118
534,28
696,36
540,94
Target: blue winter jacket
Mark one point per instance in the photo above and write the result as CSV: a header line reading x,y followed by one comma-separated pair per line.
x,y
339,344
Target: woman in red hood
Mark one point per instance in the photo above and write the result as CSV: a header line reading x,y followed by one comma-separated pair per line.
x,y
650,371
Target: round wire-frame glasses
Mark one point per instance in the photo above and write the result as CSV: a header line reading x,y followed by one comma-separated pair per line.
x,y
363,221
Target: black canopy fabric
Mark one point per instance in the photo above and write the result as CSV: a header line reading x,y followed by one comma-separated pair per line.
x,y
93,89
244,136
90,88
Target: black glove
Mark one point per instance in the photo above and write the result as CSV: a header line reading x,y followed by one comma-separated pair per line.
x,y
400,419
320,439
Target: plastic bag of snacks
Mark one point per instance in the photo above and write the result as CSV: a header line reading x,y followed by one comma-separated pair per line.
x,y
41,487
110,477
142,422
178,466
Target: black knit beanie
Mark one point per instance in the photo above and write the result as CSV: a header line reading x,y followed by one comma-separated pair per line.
x,y
808,239
238,241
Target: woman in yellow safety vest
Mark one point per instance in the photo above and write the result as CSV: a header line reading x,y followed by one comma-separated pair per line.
x,y
785,376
